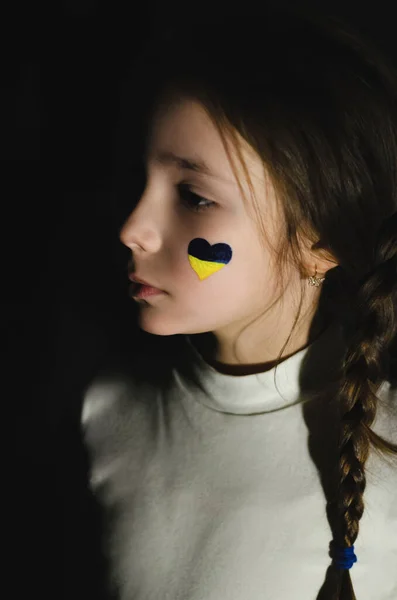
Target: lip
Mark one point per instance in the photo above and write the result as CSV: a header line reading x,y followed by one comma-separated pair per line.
x,y
145,292
136,279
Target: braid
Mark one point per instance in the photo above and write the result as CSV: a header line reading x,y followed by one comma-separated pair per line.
x,y
365,367
358,411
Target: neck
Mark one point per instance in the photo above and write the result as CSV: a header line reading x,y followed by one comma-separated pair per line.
x,y
207,345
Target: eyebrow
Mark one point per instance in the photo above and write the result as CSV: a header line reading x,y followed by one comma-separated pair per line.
x,y
198,165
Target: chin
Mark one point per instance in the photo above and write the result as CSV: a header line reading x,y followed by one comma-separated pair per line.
x,y
161,324
157,324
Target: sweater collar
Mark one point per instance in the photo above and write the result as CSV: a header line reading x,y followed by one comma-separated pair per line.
x,y
296,377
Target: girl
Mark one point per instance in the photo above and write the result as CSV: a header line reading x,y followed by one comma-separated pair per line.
x,y
241,456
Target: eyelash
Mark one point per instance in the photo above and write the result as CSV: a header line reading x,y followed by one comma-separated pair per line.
x,y
186,192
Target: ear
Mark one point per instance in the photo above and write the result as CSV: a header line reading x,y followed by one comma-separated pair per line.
x,y
320,259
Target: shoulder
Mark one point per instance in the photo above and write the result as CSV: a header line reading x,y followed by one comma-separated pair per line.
x,y
385,423
382,467
126,388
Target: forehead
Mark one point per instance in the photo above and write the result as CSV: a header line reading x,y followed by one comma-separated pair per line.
x,y
183,130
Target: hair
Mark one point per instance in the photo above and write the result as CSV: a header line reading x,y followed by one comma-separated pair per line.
x,y
318,104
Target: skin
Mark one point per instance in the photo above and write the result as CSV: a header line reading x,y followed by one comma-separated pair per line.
x,y
216,310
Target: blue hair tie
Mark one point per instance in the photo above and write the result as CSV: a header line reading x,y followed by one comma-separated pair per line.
x,y
344,558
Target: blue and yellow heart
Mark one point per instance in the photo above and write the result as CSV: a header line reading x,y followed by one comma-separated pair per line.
x,y
206,259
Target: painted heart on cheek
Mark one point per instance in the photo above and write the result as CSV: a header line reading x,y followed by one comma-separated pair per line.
x,y
206,259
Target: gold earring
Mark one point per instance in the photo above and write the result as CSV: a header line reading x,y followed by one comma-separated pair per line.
x,y
317,281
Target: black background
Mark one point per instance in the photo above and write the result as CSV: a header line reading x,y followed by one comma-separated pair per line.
x,y
64,299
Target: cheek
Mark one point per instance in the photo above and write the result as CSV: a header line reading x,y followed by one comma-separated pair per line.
x,y
217,301
214,286
203,284
223,271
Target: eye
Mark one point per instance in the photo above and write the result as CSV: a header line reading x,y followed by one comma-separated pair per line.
x,y
190,198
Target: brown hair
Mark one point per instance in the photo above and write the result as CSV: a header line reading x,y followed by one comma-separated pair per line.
x,y
319,106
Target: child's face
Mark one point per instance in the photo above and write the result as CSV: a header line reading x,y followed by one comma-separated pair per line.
x,y
161,227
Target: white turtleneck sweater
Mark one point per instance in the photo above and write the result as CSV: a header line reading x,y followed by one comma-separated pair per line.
x,y
216,490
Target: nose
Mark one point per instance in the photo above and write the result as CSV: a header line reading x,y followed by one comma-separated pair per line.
x,y
142,229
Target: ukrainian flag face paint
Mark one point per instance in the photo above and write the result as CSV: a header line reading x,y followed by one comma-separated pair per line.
x,y
205,259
